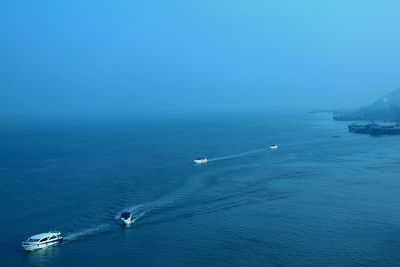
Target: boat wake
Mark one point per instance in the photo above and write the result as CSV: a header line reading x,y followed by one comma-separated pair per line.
x,y
239,155
102,228
140,211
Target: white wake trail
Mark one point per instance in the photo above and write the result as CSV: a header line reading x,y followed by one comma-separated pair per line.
x,y
90,231
140,210
232,156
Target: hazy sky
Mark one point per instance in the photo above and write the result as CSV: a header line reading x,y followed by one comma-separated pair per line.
x,y
95,57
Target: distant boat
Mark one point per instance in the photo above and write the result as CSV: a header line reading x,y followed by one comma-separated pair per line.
x,y
126,218
273,146
200,160
42,240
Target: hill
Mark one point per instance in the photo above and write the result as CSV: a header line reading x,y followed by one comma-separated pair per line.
x,y
386,108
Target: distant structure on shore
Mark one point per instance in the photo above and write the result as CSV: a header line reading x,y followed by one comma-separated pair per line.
x,y
387,108
315,111
375,129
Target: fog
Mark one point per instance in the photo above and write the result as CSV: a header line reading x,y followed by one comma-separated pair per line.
x,y
134,57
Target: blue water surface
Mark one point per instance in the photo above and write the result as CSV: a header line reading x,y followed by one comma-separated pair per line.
x,y
315,201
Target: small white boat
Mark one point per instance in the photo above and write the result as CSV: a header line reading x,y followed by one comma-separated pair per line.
x,y
126,218
273,146
201,160
42,240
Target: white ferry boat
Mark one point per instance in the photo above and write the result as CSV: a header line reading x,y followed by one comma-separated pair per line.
x,y
201,160
42,240
126,218
273,146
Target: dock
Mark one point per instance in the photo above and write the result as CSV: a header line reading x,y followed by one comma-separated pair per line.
x,y
375,129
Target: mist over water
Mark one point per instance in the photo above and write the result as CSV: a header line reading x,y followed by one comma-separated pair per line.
x,y
79,59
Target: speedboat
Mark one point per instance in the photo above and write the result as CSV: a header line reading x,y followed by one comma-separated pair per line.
x,y
273,146
201,160
126,218
42,240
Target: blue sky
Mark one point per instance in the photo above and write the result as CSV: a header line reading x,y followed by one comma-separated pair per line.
x,y
126,57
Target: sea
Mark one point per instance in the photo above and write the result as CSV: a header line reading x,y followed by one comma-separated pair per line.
x,y
325,197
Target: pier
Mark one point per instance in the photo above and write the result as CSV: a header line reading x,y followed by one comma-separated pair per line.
x,y
375,129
